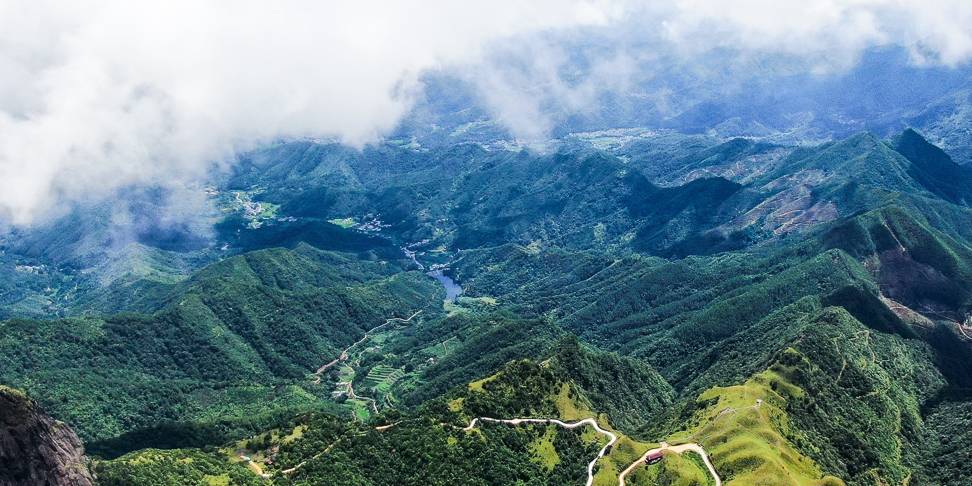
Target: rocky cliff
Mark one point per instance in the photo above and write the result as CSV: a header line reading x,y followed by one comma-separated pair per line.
x,y
36,449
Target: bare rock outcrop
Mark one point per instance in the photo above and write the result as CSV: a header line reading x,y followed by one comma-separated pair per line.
x,y
36,449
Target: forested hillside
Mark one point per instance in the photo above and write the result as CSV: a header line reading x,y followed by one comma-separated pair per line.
x,y
799,314
599,243
235,341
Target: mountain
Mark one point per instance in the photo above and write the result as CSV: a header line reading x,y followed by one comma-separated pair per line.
x,y
566,385
36,449
934,169
724,95
792,311
233,342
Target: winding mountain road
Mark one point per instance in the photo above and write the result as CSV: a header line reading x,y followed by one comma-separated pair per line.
x,y
678,449
612,437
344,353
349,390
961,328
567,425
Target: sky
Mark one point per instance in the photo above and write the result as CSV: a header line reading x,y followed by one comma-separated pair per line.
x,y
97,96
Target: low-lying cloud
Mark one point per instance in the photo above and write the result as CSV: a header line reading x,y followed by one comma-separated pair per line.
x,y
834,32
97,96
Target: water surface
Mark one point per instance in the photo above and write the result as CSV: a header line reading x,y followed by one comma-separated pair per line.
x,y
451,287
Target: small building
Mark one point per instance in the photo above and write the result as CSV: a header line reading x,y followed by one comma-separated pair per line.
x,y
653,457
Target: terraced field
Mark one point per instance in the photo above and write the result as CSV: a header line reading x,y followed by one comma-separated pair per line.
x,y
382,377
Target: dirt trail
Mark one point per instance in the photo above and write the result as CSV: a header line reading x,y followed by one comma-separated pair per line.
x,y
344,353
315,456
678,449
382,428
567,425
350,391
961,328
254,466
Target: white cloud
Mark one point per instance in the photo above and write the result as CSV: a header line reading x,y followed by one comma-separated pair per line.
x,y
98,95
835,31
715,43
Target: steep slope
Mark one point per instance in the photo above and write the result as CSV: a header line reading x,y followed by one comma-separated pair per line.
x,y
36,449
235,341
436,444
863,395
934,169
922,267
683,316
749,435
849,374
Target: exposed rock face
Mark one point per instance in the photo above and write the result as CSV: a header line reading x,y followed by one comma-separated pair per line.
x,y
36,449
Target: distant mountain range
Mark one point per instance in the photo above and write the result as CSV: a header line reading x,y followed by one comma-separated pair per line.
x,y
793,310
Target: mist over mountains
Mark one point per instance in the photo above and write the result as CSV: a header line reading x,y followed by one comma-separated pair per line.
x,y
108,96
590,242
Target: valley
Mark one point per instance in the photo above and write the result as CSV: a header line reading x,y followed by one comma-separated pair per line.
x,y
599,243
503,323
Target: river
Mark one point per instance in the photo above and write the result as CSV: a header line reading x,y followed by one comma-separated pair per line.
x,y
453,290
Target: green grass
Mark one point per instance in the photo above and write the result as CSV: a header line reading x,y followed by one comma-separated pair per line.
x,y
221,480
345,373
748,440
625,451
342,222
179,466
440,349
568,408
294,434
543,450
478,384
674,470
382,377
361,409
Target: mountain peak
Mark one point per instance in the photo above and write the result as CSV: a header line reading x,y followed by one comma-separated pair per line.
x,y
933,168
910,142
865,136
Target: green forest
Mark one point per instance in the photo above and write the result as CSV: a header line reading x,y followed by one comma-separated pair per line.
x,y
811,333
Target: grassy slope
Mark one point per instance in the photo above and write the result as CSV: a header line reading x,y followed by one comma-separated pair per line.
x,y
749,440
180,466
843,400
824,408
716,321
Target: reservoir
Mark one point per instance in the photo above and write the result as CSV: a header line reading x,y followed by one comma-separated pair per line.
x,y
451,287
